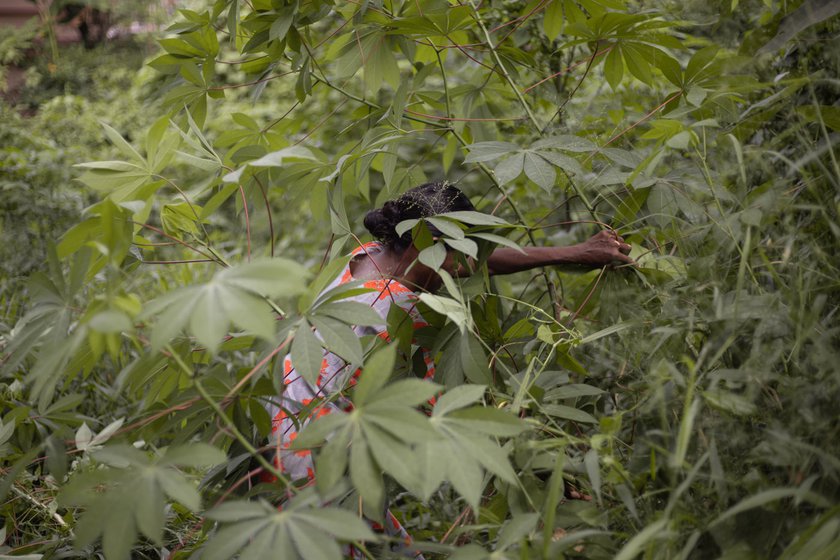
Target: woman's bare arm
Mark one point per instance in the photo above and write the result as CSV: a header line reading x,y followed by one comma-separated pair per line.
x,y
602,249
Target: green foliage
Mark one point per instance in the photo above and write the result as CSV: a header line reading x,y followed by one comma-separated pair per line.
x,y
692,397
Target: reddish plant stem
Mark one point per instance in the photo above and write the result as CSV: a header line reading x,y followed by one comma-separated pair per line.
x,y
166,244
462,119
635,124
588,296
571,95
268,211
458,521
175,239
175,408
519,24
255,369
240,61
186,261
331,35
246,84
520,20
477,46
568,68
283,116
320,124
468,55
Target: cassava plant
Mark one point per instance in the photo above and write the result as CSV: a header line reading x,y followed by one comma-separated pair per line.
x,y
691,397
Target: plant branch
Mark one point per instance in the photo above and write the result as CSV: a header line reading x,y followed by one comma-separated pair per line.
x,y
504,71
247,220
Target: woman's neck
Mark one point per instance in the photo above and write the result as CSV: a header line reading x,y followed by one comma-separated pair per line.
x,y
393,262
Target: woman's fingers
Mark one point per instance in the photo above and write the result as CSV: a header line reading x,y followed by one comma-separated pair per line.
x,y
616,249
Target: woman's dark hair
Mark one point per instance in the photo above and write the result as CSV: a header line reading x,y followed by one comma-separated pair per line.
x,y
420,202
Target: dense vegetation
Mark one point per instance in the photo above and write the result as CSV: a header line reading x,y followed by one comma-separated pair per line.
x,y
693,397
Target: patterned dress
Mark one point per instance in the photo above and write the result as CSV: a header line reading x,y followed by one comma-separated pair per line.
x,y
335,376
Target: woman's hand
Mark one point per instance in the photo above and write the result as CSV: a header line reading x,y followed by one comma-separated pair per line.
x,y
603,249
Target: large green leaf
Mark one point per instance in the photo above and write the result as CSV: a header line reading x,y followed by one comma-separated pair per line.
x,y
303,528
129,476
233,295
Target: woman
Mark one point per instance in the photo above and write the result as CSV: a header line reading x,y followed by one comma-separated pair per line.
x,y
389,269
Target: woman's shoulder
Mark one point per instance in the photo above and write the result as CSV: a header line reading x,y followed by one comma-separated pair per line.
x,y
371,247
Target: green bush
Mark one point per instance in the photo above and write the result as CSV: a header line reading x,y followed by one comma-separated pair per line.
x,y
692,396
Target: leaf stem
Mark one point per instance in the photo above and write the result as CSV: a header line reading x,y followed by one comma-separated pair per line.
x,y
445,84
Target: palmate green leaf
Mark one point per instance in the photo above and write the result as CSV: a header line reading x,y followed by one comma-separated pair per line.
x,y
487,420
699,62
447,227
250,313
311,544
568,413
474,218
377,370
509,169
118,534
130,494
466,246
276,277
539,171
401,422
474,361
553,20
464,473
302,528
498,240
458,397
148,507
464,449
317,286
614,67
517,528
487,453
179,488
232,538
486,151
381,432
193,455
566,142
338,338
449,307
567,164
433,256
366,475
279,158
231,296
392,455
307,353
331,462
122,145
351,313
380,65
406,392
571,391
